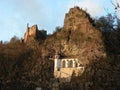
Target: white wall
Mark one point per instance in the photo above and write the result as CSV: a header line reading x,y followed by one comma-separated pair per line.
x,y
57,63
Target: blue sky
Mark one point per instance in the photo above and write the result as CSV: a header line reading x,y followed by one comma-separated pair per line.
x,y
15,14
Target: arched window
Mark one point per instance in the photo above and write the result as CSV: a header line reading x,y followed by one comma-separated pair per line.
x,y
70,64
63,64
74,64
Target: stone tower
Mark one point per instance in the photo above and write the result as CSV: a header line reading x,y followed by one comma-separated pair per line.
x,y
33,33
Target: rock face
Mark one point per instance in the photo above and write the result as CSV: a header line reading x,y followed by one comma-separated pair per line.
x,y
33,32
78,38
77,19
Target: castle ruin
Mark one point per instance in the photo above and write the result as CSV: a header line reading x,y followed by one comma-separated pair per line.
x,y
35,33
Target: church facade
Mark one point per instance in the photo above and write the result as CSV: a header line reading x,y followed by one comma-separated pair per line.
x,y
67,67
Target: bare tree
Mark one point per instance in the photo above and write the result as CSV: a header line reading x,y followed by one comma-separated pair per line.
x,y
116,4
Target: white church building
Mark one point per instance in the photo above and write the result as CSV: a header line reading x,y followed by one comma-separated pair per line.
x,y
66,67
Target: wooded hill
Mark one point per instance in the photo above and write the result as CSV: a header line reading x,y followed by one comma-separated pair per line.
x,y
27,65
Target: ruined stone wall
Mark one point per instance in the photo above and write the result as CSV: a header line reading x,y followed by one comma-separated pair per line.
x,y
33,30
34,33
30,31
67,68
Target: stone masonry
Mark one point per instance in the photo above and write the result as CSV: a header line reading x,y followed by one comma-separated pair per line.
x,y
35,33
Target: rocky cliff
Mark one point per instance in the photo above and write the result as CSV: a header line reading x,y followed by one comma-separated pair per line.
x,y
78,38
76,19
